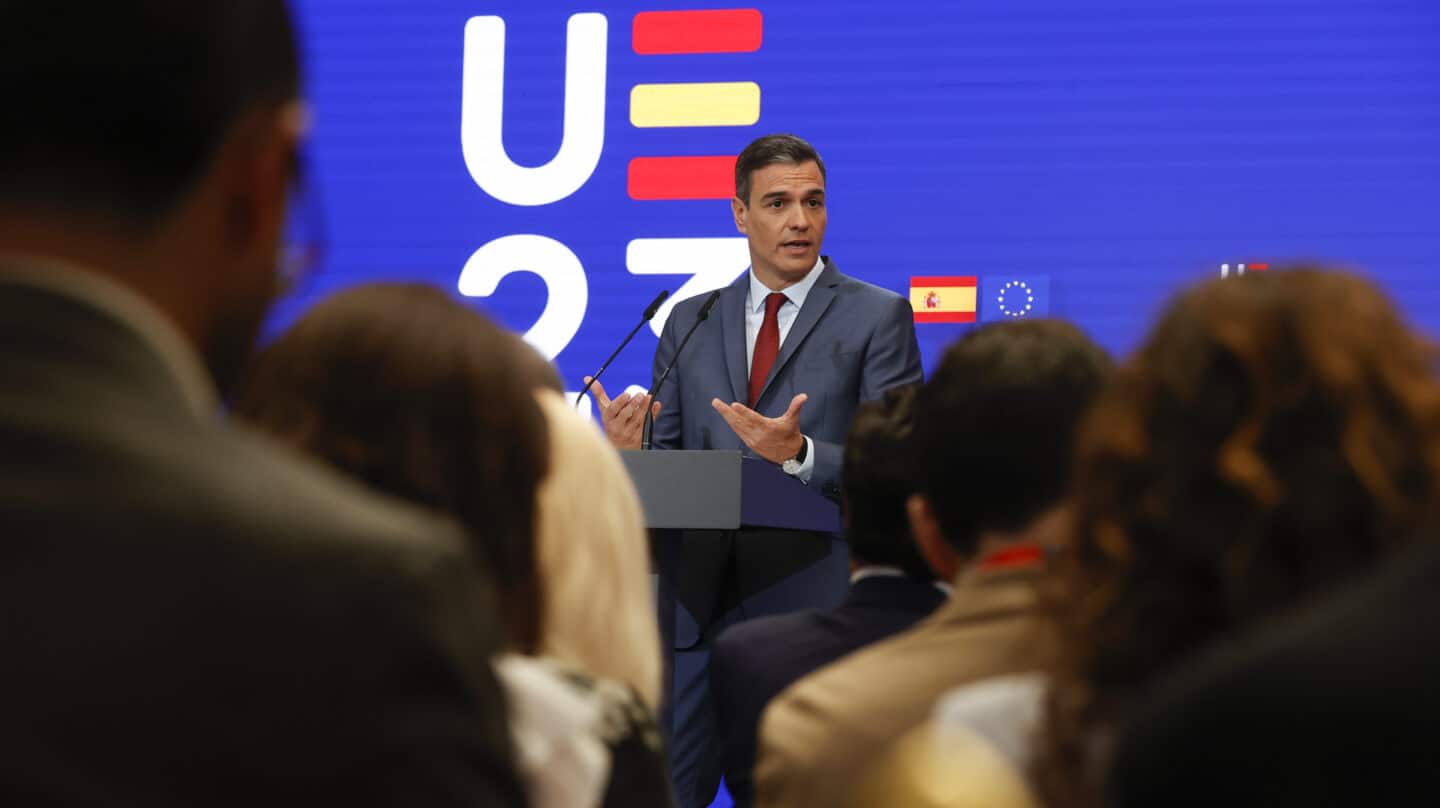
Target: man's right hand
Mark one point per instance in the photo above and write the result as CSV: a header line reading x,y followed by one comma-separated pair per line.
x,y
623,416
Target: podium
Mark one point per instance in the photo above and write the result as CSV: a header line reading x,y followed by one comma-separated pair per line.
x,y
682,490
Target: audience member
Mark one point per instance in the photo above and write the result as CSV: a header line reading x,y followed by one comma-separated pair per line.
x,y
992,437
890,589
1275,436
192,615
587,740
595,560
425,399
1333,706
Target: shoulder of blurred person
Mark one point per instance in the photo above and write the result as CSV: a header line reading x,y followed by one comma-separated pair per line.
x,y
1333,703
942,766
1005,711
992,435
224,583
817,734
195,616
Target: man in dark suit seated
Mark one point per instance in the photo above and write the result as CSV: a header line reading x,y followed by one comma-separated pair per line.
x,y
190,615
890,589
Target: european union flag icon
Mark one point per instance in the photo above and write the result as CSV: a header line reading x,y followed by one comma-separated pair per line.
x,y
1014,297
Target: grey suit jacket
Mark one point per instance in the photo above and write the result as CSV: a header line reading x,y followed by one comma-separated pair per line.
x,y
850,342
191,616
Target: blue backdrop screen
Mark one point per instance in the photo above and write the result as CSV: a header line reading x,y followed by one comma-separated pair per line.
x,y
1106,153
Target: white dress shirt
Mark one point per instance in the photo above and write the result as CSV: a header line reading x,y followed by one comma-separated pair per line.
x,y
755,317
887,571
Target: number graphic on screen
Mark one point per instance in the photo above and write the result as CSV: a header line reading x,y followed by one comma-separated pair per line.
x,y
482,113
567,291
713,262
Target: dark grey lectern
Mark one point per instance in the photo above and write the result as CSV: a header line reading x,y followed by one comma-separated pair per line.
x,y
714,490
724,491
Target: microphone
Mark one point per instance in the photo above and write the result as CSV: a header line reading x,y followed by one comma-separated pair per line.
x,y
644,318
649,427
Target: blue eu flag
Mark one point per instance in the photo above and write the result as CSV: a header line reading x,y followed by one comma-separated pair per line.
x,y
1014,297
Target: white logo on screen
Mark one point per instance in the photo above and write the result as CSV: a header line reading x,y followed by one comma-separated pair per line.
x,y
710,262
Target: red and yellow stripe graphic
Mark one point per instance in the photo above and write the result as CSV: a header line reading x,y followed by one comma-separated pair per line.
x,y
692,104
731,30
733,103
682,177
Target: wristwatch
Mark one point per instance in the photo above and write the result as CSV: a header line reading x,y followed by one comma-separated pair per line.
x,y
793,465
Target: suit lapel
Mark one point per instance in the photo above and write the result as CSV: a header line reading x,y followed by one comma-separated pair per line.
x,y
822,294
732,319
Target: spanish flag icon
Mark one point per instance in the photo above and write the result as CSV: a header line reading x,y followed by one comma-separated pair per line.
x,y
943,298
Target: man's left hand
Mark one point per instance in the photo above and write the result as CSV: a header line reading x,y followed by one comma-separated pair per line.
x,y
775,439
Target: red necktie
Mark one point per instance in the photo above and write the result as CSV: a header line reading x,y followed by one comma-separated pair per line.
x,y
767,346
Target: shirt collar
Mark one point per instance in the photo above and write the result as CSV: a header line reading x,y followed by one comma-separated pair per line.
x,y
885,571
875,571
795,294
127,308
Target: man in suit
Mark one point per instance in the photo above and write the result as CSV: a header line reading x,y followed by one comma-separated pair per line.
x,y
188,614
993,434
790,350
890,589
1333,705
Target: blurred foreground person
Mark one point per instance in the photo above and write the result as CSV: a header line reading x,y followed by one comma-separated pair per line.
x,y
1333,706
992,441
425,399
1276,436
192,615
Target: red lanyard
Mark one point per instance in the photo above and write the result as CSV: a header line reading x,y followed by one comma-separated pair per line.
x,y
1022,555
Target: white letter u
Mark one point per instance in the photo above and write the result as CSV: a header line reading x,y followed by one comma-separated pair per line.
x,y
482,110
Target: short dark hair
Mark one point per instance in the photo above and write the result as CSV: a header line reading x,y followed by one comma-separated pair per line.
x,y
425,399
769,150
879,476
118,106
996,424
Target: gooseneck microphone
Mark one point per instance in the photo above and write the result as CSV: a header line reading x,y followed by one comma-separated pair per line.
x,y
649,427
644,318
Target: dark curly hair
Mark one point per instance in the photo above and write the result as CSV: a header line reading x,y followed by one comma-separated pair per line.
x,y
1277,433
425,399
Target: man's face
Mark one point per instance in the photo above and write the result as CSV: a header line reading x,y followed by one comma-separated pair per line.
x,y
784,220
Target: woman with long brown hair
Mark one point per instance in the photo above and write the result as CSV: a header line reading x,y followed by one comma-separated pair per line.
x,y
425,399
1276,434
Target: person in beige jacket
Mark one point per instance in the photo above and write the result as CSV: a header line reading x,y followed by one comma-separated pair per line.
x,y
993,430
